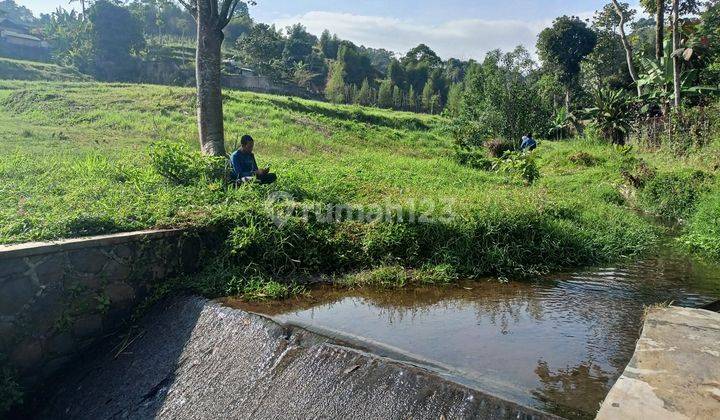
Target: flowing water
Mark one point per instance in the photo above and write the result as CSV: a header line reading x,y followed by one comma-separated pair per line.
x,y
557,344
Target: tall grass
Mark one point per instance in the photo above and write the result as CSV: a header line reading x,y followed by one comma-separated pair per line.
x,y
77,161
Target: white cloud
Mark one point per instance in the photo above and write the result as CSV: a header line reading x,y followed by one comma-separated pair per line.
x,y
467,38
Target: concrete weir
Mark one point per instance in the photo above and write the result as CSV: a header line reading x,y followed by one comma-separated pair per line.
x,y
675,371
192,358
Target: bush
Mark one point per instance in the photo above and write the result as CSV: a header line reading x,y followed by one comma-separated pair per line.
x,y
674,195
519,164
181,165
497,147
10,391
704,227
476,158
583,159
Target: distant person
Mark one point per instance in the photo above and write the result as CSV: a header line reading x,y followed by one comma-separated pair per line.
x,y
245,167
528,143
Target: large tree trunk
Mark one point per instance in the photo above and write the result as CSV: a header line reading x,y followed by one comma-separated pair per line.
x,y
627,46
660,29
208,61
676,46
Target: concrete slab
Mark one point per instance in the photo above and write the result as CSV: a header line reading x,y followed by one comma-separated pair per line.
x,y
194,359
675,371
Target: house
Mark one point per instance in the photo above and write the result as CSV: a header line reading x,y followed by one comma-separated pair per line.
x,y
17,41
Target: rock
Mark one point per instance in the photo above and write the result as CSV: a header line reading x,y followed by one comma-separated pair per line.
x,y
120,293
27,355
88,261
14,294
88,325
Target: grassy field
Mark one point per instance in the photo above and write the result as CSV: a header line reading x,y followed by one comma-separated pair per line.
x,y
76,160
32,70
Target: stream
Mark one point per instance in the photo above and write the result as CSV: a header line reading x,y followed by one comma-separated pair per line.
x,y
557,344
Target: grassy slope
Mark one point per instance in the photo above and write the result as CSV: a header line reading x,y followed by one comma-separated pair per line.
x,y
74,161
11,69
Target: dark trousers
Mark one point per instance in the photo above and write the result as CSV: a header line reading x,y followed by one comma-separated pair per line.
x,y
268,178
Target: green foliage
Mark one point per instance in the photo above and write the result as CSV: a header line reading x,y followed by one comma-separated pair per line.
x,y
612,114
115,37
564,45
704,226
180,164
10,391
563,123
674,195
385,96
365,95
96,181
519,164
335,90
501,100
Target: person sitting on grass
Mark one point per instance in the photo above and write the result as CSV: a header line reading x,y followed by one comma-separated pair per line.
x,y
245,167
528,143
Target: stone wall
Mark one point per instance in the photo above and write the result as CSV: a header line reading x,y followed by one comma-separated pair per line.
x,y
57,298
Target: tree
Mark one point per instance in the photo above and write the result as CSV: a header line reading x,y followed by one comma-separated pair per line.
x,y
329,45
563,46
396,73
335,88
427,96
262,49
211,16
115,35
298,45
357,64
385,94
421,54
365,95
622,14
501,99
676,45
397,97
412,100
606,65
454,99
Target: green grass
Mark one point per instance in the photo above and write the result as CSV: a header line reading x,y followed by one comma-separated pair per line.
x,y
76,160
11,69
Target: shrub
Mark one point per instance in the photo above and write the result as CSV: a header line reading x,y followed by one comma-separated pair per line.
x,y
674,194
475,158
181,165
583,158
497,147
386,277
704,227
520,164
10,391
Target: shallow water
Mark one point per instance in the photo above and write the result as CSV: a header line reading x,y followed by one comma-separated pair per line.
x,y
557,344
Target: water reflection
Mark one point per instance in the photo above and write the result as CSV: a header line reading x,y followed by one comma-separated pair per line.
x,y
558,343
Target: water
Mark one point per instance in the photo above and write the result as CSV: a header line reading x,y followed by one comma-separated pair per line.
x,y
557,344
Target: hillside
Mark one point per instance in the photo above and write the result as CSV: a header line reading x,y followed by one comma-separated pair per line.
x,y
76,161
32,70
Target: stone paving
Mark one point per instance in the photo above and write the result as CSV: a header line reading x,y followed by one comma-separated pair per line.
x,y
675,371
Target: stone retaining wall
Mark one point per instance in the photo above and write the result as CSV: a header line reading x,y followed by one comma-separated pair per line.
x,y
57,298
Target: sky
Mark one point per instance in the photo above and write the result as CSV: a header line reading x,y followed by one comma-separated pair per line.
x,y
453,28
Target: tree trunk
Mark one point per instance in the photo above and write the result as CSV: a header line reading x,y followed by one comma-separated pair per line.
x,y
660,29
676,46
208,60
627,46
567,99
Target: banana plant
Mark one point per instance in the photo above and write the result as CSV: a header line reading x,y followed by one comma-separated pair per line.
x,y
656,78
562,123
612,114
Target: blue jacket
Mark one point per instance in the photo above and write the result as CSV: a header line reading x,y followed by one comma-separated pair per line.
x,y
528,143
243,164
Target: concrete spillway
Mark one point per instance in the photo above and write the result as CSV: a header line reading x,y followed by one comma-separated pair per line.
x,y
191,358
